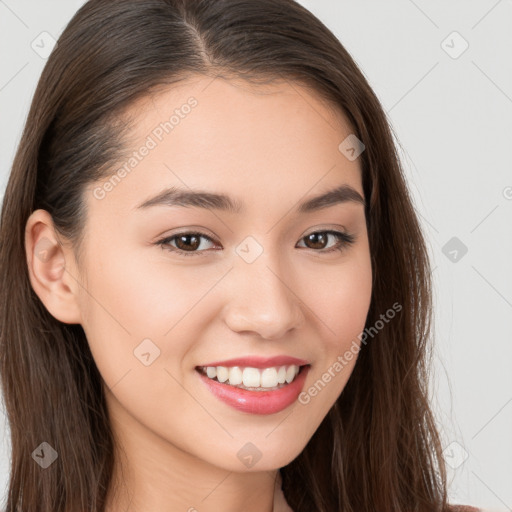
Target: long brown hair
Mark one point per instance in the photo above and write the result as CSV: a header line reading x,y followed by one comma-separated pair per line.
x,y
378,448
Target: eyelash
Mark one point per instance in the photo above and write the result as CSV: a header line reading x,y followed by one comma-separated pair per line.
x,y
345,240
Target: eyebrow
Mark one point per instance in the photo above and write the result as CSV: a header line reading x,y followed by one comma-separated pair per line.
x,y
174,196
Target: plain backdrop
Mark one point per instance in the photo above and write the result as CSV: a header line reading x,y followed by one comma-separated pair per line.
x,y
443,72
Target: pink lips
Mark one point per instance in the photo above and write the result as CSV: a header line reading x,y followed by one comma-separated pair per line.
x,y
259,362
258,402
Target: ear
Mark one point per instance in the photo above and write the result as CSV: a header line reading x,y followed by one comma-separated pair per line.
x,y
52,268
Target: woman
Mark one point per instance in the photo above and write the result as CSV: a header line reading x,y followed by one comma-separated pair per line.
x,y
216,293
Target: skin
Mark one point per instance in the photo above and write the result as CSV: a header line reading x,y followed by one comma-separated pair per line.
x,y
271,147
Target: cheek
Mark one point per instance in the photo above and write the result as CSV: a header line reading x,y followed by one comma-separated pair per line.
x,y
140,292
340,296
129,300
341,308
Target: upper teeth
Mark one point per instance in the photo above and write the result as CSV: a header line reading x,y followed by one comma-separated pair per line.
x,y
253,377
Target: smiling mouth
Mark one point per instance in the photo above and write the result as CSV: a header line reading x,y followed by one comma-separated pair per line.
x,y
253,379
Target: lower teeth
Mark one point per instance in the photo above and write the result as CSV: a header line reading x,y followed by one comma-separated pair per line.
x,y
241,386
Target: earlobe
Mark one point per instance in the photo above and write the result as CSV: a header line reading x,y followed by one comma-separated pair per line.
x,y
51,269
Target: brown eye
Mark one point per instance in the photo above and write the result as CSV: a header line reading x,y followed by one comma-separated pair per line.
x,y
186,244
319,239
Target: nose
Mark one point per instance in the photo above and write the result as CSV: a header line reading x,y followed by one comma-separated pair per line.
x,y
262,300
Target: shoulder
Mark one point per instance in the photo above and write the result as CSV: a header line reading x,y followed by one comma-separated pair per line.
x,y
463,508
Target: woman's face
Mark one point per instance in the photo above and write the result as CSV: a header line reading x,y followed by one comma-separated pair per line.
x,y
259,282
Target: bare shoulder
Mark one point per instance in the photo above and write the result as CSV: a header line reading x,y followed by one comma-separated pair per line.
x,y
464,508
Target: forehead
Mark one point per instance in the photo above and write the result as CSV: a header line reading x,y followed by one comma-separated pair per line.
x,y
278,139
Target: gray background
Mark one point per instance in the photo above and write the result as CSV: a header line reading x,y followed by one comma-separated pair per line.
x,y
452,118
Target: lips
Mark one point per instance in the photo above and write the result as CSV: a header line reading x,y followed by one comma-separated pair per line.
x,y
237,383
257,402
